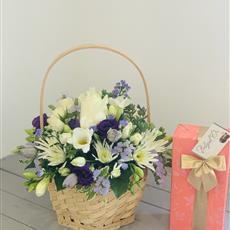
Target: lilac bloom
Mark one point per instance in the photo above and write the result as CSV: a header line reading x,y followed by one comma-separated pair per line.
x,y
123,123
102,186
96,173
38,133
38,168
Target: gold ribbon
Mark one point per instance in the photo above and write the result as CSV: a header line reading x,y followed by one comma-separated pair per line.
x,y
203,178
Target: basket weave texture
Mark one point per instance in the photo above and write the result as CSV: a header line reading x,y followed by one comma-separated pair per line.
x,y
99,213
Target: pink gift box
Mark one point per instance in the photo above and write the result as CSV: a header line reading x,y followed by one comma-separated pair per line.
x,y
183,194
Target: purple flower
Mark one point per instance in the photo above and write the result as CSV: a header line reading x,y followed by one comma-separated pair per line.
x,y
74,123
125,149
124,166
121,88
38,133
96,173
102,186
104,126
123,122
70,181
38,167
36,121
84,175
160,170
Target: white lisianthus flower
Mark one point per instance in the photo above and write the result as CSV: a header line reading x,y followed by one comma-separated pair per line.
x,y
127,130
81,139
104,153
78,161
66,103
51,151
65,137
120,101
113,135
136,138
42,186
55,123
93,108
116,172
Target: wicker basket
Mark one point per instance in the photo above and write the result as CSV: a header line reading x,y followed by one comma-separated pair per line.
x,y
101,212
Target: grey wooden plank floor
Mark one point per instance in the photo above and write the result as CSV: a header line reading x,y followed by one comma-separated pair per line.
x,y
22,210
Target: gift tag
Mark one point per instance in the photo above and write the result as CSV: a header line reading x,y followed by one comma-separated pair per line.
x,y
212,142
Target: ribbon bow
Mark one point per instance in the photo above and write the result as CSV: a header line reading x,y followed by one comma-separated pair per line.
x,y
203,178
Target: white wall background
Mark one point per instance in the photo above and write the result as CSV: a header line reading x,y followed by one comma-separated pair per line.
x,y
181,45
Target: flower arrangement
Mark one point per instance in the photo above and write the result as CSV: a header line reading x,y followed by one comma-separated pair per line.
x,y
95,143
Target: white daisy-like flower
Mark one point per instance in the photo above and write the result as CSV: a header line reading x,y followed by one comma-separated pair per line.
x,y
51,151
81,139
104,152
146,153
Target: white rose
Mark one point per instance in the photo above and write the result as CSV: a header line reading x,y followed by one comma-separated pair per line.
x,y
59,112
78,161
120,102
55,123
93,108
136,138
127,130
65,137
66,103
81,139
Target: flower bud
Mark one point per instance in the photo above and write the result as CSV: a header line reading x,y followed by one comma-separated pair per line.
x,y
127,130
115,111
65,137
64,171
113,135
78,161
29,175
136,138
42,186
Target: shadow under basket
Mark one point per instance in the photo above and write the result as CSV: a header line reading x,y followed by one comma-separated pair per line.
x,y
99,213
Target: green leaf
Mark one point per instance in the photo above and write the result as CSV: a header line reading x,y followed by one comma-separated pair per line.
x,y
52,107
58,179
30,132
120,185
30,165
104,171
30,139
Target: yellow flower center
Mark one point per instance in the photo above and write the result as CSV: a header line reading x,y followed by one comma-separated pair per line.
x,y
82,141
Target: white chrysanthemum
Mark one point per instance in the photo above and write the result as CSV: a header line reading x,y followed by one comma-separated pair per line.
x,y
51,151
144,154
120,102
81,139
59,112
93,108
136,138
104,153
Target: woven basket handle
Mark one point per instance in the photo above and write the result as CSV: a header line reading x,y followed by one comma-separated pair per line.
x,y
84,47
